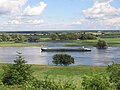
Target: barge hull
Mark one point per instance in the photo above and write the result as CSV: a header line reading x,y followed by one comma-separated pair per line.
x,y
64,50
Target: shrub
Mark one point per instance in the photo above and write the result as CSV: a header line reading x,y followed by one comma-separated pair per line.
x,y
17,73
63,59
114,75
96,82
51,84
101,44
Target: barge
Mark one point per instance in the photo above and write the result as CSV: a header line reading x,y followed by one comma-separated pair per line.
x,y
65,49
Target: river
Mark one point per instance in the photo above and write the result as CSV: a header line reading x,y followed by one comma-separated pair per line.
x,y
33,55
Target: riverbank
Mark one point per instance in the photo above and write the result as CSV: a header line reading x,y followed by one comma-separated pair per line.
x,y
69,71
41,70
110,41
12,44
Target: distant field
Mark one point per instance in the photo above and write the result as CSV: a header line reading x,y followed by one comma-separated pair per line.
x,y
110,41
7,44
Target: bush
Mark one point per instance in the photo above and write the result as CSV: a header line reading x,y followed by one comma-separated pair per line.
x,y
101,44
50,84
114,71
17,73
63,59
96,82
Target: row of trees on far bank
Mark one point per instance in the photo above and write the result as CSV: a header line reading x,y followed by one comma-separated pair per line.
x,y
18,38
71,36
52,36
14,37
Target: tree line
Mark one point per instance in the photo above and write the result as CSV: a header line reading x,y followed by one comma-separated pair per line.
x,y
53,36
18,38
72,36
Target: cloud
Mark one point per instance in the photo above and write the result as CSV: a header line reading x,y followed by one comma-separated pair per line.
x,y
14,14
101,10
102,14
101,1
81,21
14,22
25,22
11,7
36,21
113,21
15,7
36,10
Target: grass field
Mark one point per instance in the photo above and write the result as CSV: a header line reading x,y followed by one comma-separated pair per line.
x,y
63,73
69,71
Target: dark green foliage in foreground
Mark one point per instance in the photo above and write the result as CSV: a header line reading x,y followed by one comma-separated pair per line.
x,y
63,59
97,82
114,71
18,76
17,73
50,84
101,44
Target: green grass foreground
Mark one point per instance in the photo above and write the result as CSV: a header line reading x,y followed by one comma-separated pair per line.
x,y
12,44
57,73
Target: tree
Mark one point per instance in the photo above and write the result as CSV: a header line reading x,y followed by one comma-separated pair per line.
x,y
63,37
101,44
34,38
17,73
20,39
5,37
54,36
1,39
63,59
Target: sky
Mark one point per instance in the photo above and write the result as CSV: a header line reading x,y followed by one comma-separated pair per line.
x,y
35,15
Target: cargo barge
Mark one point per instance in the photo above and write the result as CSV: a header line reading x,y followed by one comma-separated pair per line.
x,y
65,49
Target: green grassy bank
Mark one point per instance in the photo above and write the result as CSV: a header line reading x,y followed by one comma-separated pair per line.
x,y
110,41
69,71
12,44
57,73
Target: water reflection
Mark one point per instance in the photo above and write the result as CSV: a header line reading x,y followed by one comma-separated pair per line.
x,y
33,55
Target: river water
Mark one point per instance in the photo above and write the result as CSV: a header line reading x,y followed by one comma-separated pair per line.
x,y
33,55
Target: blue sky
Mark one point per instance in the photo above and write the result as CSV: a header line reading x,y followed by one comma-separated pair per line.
x,y
25,15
